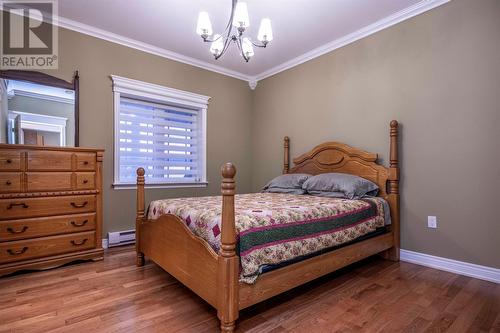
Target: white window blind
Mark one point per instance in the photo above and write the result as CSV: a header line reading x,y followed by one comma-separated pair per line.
x,y
160,129
162,139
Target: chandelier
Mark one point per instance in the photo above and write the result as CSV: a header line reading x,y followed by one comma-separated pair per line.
x,y
238,23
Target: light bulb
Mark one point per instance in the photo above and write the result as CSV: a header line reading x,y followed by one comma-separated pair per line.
x,y
265,31
240,19
247,47
217,45
204,26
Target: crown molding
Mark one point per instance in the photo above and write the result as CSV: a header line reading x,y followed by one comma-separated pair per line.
x,y
366,31
145,47
19,92
252,83
405,14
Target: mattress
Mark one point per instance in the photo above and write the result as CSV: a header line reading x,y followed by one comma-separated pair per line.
x,y
276,228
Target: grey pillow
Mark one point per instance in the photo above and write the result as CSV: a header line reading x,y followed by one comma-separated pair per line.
x,y
353,187
284,190
326,194
281,184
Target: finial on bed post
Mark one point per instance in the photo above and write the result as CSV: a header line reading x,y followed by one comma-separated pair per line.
x,y
393,192
228,262
286,161
393,158
228,232
140,215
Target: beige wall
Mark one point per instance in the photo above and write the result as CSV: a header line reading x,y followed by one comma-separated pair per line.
x,y
49,108
228,115
439,75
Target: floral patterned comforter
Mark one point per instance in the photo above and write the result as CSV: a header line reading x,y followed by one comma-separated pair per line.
x,y
274,228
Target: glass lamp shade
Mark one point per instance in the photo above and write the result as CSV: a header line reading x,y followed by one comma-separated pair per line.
x,y
265,31
247,47
240,19
204,26
217,45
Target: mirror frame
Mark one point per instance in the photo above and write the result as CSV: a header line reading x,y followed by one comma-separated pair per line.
x,y
49,80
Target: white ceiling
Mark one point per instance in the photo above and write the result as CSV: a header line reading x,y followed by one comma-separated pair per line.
x,y
303,29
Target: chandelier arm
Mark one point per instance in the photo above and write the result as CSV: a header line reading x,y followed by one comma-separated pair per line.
x,y
229,28
240,47
224,48
207,40
233,7
258,45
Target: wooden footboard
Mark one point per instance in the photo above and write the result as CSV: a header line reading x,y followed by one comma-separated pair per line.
x,y
170,244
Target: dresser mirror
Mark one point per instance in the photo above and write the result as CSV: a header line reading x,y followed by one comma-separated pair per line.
x,y
38,109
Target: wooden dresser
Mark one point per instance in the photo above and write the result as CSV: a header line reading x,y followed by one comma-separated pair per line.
x,y
50,206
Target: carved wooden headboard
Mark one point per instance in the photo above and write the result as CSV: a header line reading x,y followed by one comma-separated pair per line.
x,y
339,157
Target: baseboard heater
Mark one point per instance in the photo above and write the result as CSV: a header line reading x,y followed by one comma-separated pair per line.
x,y
120,238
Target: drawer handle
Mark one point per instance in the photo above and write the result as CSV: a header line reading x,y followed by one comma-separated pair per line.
x,y
75,243
85,181
9,161
79,224
18,252
12,231
22,204
79,205
8,183
85,162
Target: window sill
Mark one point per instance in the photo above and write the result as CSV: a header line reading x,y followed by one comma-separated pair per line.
x,y
174,185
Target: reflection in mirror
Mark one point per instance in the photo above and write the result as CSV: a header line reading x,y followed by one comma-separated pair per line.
x,y
39,114
38,109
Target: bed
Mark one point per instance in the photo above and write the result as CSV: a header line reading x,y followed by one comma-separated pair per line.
x,y
224,271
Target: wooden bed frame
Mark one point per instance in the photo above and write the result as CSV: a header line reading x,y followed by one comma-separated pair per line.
x,y
214,277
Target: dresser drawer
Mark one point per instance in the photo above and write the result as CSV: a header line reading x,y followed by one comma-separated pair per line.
x,y
46,246
48,181
49,160
85,161
10,160
10,182
45,226
34,207
85,180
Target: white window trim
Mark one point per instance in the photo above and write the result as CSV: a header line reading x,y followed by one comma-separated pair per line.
x,y
152,92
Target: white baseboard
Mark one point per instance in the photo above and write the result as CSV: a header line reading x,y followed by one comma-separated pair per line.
x,y
464,268
104,243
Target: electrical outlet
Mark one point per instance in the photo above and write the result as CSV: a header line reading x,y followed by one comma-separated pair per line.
x,y
432,222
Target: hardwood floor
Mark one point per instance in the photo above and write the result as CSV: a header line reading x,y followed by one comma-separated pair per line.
x,y
375,295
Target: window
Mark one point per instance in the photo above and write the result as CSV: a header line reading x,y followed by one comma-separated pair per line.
x,y
162,130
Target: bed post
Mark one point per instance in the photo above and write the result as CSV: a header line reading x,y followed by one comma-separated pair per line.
x,y
393,192
140,216
286,161
228,262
